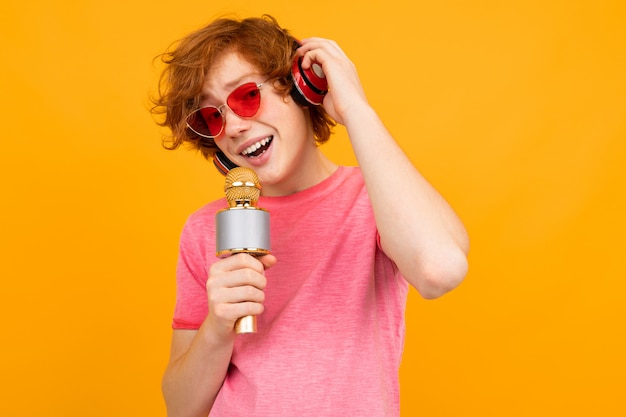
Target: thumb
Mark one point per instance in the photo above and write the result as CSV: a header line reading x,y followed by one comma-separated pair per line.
x,y
268,261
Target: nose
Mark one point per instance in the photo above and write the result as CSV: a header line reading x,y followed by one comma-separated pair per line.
x,y
234,124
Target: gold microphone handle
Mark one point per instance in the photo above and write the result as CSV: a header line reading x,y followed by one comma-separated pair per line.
x,y
246,324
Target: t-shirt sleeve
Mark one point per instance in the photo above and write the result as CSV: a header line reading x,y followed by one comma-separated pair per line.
x,y
191,275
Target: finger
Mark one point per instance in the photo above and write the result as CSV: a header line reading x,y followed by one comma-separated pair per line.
x,y
236,278
219,297
319,46
234,311
235,262
243,294
268,261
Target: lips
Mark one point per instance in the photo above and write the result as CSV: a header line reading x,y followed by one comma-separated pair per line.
x,y
257,148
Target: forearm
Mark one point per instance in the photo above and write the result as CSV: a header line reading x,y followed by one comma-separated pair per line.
x,y
193,379
418,229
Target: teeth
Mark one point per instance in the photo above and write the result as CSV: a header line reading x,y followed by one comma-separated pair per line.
x,y
255,146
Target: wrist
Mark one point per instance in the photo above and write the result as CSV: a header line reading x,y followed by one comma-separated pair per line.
x,y
217,334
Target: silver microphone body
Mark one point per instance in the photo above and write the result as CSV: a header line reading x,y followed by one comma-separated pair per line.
x,y
242,229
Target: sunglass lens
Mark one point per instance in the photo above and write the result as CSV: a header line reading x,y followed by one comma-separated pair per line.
x,y
245,100
206,121
213,119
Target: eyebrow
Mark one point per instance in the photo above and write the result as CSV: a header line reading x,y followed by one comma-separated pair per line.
x,y
239,81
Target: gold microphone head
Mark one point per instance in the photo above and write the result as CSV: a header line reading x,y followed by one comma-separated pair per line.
x,y
242,187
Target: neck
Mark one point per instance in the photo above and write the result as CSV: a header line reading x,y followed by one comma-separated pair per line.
x,y
318,168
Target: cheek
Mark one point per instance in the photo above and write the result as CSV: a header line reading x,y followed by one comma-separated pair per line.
x,y
290,120
221,143
279,107
295,116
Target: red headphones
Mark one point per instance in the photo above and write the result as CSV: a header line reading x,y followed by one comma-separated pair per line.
x,y
310,85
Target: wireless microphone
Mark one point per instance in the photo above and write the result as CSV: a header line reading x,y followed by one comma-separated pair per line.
x,y
242,227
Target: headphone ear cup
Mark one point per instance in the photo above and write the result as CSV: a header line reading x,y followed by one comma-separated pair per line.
x,y
309,86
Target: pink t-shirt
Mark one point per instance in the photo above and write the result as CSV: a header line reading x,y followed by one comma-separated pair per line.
x,y
330,340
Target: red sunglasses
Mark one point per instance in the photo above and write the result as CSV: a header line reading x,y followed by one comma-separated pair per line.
x,y
209,121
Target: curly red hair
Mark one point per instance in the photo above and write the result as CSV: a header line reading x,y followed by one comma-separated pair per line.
x,y
261,41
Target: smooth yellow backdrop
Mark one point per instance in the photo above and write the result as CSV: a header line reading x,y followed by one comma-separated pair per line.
x,y
515,110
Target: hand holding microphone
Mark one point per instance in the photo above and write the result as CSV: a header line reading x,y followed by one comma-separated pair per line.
x,y
242,227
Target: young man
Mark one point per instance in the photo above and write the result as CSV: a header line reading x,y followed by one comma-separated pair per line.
x,y
346,241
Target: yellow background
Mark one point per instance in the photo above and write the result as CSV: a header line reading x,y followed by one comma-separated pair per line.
x,y
515,110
